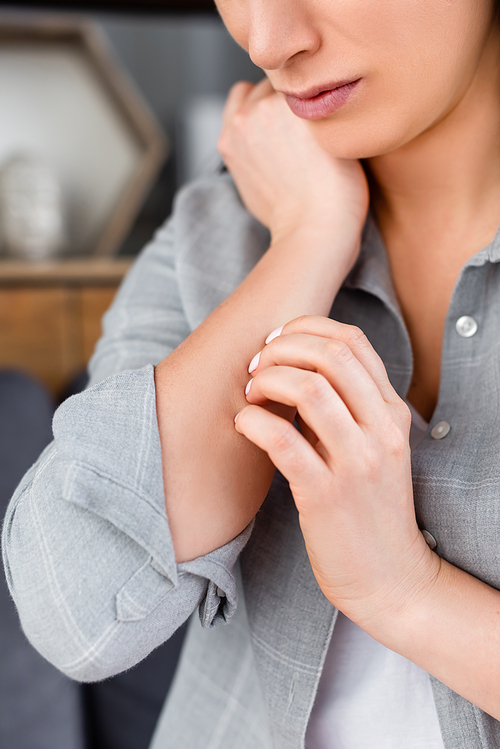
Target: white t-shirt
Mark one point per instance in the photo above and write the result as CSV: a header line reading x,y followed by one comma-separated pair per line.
x,y
370,697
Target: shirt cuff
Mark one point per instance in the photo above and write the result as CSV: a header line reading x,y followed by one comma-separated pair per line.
x,y
108,436
220,601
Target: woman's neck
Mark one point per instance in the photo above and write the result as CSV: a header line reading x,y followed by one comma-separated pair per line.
x,y
446,182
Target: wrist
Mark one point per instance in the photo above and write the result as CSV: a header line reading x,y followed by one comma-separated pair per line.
x,y
320,219
410,607
322,239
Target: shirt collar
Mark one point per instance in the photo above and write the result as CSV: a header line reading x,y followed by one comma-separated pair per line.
x,y
371,271
490,253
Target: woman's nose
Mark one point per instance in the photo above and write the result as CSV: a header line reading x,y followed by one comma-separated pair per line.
x,y
279,30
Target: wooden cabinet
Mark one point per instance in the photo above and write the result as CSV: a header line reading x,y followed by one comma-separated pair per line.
x,y
50,315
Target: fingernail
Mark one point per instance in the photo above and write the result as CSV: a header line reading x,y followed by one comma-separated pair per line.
x,y
254,363
274,334
236,417
249,385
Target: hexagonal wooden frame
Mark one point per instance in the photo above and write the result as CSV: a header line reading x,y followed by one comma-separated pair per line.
x,y
137,116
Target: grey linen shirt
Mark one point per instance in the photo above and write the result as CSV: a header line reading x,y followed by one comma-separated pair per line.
x,y
86,544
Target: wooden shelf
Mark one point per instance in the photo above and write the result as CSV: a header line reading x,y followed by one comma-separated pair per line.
x,y
92,271
50,315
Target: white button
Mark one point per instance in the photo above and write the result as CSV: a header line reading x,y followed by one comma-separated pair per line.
x,y
431,541
440,430
220,593
466,326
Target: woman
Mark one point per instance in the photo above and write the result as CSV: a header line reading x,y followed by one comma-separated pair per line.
x,y
348,522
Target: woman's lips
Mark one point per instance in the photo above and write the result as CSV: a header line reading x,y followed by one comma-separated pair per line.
x,y
316,106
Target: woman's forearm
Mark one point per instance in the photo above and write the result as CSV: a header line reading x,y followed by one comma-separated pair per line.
x,y
215,480
451,629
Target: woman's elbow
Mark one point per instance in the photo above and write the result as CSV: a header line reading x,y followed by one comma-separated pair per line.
x,y
91,610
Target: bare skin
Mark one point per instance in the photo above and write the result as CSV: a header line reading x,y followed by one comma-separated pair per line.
x,y
437,210
425,122
200,386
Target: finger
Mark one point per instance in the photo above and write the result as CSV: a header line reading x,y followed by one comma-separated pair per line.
x,y
292,455
337,363
354,338
318,404
306,430
238,93
243,93
261,90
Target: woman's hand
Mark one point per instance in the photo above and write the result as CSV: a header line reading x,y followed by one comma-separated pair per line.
x,y
349,470
285,179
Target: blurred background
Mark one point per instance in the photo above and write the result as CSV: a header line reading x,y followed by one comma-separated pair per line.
x,y
182,62
107,108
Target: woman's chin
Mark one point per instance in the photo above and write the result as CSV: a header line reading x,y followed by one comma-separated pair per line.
x,y
348,141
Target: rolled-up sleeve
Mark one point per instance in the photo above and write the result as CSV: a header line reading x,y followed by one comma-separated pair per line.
x,y
88,553
86,543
